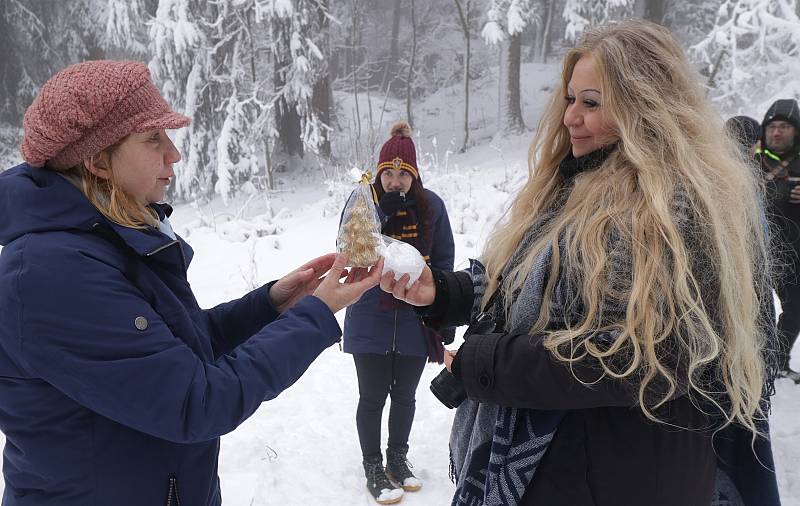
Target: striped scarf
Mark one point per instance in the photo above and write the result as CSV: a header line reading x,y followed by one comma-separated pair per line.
x,y
405,226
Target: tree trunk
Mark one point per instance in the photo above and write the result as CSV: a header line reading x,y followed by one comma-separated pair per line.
x,y
512,111
640,8
463,16
287,119
655,11
409,86
544,45
321,97
390,69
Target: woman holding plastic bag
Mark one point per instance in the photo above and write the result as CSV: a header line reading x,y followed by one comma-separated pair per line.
x,y
389,344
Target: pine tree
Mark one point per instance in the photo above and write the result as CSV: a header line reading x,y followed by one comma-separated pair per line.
x,y
299,34
506,21
581,15
751,53
181,66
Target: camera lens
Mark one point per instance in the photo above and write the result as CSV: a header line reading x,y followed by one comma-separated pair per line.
x,y
448,389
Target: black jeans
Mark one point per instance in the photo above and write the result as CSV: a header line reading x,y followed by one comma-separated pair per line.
x,y
789,321
379,376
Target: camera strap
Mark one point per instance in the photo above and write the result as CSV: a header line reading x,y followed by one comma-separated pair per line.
x,y
489,319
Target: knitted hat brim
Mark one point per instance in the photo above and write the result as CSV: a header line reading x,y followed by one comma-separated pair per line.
x,y
169,121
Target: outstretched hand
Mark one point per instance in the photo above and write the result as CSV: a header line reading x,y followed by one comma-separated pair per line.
x,y
421,293
337,295
300,282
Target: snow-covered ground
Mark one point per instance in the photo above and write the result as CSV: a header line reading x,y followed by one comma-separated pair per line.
x,y
302,448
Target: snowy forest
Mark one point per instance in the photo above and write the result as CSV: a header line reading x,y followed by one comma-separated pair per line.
x,y
288,97
273,85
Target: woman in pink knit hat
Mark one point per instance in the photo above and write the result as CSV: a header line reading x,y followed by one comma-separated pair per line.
x,y
114,384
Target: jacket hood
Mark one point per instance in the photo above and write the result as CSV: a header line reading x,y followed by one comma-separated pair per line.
x,y
784,109
39,200
36,199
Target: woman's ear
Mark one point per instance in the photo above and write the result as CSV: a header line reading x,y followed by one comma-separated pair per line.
x,y
97,166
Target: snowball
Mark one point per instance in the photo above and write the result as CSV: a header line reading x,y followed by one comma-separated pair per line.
x,y
401,258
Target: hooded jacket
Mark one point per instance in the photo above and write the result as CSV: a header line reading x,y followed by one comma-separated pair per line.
x,y
784,215
116,390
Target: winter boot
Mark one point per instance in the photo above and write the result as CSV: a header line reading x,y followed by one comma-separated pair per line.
x,y
398,469
378,484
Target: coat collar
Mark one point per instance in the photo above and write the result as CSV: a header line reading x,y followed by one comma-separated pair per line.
x,y
571,166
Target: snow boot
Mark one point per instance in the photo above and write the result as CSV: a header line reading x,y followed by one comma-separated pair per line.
x,y
378,484
398,469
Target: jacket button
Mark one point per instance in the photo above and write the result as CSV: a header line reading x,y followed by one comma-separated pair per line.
x,y
140,322
484,381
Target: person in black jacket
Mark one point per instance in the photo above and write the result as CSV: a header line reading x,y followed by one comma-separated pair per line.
x,y
621,310
779,158
746,131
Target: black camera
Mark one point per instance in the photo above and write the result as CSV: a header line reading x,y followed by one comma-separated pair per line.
x,y
446,386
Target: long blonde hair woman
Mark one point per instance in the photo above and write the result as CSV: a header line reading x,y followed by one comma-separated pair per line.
x,y
629,281
671,156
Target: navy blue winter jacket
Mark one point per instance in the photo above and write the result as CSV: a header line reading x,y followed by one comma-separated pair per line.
x,y
115,392
370,326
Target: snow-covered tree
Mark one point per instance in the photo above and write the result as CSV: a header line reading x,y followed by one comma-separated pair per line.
x,y
181,68
690,20
581,15
751,54
506,21
123,26
299,47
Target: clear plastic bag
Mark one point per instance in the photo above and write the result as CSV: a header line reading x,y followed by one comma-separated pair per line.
x,y
359,234
401,258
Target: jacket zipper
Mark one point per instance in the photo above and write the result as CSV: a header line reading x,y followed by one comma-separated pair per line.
x,y
394,333
165,246
173,492
394,347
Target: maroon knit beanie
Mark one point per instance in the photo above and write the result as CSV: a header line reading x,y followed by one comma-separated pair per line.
x,y
89,106
399,152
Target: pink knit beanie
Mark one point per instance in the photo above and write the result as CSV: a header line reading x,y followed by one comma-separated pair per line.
x,y
89,106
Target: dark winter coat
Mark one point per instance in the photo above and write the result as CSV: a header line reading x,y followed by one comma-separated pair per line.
x,y
605,452
783,173
115,391
378,323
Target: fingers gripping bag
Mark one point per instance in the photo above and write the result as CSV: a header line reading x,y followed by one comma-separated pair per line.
x,y
401,258
360,229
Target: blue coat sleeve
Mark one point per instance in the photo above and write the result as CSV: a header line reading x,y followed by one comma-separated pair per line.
x,y
79,336
232,323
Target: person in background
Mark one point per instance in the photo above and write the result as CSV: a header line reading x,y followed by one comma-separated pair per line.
x,y
747,132
390,346
115,386
622,316
779,158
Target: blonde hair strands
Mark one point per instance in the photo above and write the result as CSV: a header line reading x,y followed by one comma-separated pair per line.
x,y
106,195
672,162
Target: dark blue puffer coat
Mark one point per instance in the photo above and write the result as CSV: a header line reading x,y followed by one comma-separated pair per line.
x,y
113,391
373,326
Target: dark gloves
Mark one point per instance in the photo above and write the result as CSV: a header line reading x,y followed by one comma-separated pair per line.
x,y
392,202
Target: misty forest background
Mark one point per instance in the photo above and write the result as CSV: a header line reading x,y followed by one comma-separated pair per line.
x,y
275,86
